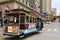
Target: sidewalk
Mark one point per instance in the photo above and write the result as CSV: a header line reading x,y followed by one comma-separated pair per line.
x,y
46,26
1,28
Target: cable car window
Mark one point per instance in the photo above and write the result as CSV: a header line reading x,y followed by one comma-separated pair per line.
x,y
35,20
27,18
11,19
22,18
16,20
31,19
0,14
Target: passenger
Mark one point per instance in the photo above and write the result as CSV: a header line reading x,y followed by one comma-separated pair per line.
x,y
6,21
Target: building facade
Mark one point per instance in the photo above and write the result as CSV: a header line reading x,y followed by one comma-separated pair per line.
x,y
54,11
46,7
29,5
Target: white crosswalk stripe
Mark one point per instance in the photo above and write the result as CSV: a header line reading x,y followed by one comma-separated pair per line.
x,y
49,29
55,29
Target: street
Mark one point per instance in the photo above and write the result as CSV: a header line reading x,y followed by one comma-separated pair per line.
x,y
22,17
51,33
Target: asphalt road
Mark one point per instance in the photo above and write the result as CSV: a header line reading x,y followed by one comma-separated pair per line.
x,y
52,33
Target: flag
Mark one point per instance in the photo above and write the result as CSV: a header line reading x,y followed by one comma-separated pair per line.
x,y
38,8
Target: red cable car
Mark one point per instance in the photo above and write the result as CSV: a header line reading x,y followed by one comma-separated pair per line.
x,y
19,22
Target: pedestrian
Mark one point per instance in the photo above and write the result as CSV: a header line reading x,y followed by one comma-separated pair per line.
x,y
39,24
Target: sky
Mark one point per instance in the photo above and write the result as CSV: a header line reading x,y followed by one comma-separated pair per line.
x,y
56,4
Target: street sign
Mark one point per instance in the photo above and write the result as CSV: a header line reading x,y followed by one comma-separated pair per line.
x,y
45,14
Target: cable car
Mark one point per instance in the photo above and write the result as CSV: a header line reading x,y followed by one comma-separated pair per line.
x,y
19,22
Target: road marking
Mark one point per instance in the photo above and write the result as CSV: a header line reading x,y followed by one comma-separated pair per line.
x,y
22,36
55,29
49,29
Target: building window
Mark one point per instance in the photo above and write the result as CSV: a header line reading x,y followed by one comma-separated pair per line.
x,y
22,1
17,0
26,2
31,3
18,6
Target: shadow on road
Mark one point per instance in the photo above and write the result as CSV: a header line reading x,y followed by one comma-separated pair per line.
x,y
29,35
24,38
11,38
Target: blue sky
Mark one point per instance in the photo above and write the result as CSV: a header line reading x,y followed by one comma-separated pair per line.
x,y
56,4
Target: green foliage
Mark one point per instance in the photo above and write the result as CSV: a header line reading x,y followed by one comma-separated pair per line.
x,y
56,17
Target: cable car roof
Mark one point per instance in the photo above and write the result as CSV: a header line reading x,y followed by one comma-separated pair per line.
x,y
20,10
